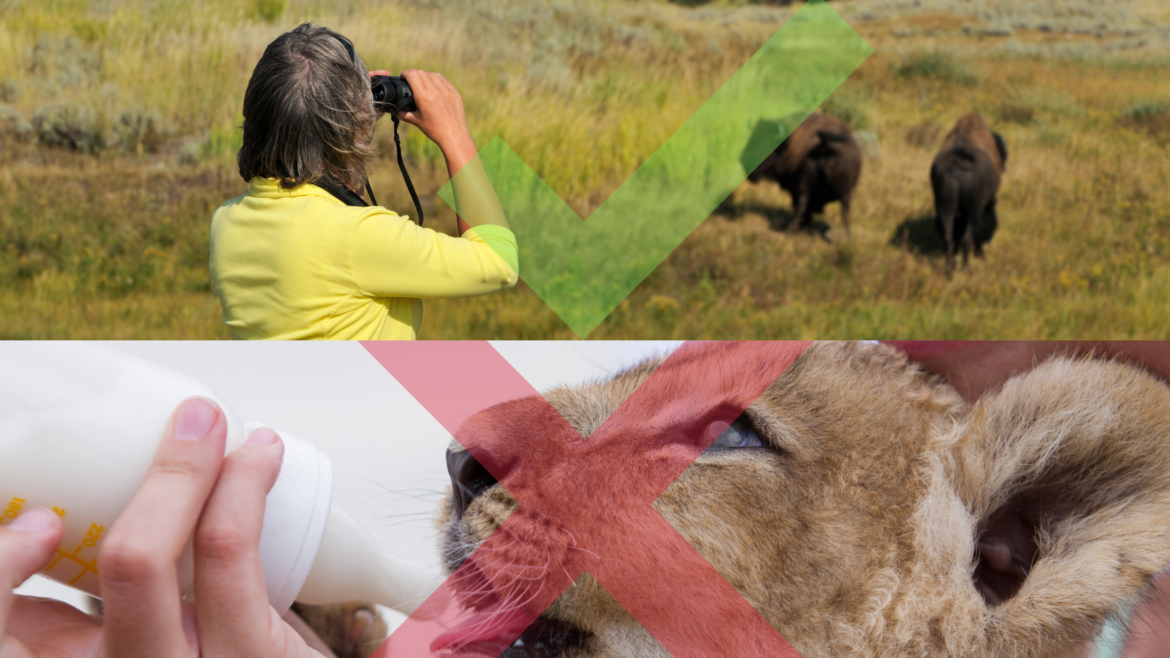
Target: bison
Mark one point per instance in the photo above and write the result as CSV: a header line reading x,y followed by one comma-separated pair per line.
x,y
817,164
965,176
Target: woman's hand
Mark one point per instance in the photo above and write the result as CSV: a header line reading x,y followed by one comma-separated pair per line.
x,y
977,367
190,488
440,117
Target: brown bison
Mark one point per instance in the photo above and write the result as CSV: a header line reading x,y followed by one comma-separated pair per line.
x,y
965,176
817,164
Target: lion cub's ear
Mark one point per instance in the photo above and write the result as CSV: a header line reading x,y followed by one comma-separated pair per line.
x,y
1066,472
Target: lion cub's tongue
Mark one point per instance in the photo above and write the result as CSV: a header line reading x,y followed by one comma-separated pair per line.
x,y
489,631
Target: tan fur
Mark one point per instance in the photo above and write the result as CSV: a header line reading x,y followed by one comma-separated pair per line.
x,y
974,130
855,534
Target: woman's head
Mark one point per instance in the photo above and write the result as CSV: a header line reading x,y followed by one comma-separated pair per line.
x,y
308,112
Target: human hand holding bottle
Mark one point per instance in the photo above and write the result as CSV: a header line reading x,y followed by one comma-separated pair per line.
x,y
191,487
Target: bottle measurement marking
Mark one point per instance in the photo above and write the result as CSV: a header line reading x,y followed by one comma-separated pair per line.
x,y
14,507
85,566
13,510
92,535
91,539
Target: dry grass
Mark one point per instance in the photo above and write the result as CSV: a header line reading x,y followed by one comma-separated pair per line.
x,y
114,244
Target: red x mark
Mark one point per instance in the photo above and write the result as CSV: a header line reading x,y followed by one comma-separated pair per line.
x,y
595,492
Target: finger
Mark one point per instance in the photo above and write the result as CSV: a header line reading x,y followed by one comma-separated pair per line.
x,y
307,634
419,81
231,601
136,560
1152,617
379,72
434,81
1151,355
446,84
972,367
53,628
26,546
410,117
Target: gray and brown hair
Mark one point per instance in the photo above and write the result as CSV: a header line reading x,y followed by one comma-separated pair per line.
x,y
308,112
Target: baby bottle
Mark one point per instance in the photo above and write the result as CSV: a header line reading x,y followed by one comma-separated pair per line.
x,y
79,427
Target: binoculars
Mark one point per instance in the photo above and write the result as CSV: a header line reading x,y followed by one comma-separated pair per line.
x,y
392,94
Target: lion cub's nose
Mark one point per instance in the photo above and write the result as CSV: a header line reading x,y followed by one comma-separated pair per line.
x,y
468,479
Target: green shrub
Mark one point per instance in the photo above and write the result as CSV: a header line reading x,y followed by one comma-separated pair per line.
x,y
83,129
140,131
71,126
1151,116
698,3
1015,113
9,90
13,123
1146,111
934,65
268,10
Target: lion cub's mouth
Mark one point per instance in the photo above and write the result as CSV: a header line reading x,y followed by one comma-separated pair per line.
x,y
546,638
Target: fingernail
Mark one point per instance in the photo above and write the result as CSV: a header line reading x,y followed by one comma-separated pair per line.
x,y
194,419
262,437
37,518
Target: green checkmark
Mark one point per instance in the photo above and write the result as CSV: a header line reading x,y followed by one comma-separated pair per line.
x,y
584,269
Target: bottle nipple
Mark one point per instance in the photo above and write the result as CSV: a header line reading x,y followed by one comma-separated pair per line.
x,y
350,566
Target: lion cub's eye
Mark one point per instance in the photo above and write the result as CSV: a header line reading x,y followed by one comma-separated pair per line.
x,y
736,435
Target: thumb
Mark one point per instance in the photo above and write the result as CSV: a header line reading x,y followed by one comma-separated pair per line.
x,y
26,545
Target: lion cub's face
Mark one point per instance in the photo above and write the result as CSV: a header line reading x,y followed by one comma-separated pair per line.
x,y
832,506
828,451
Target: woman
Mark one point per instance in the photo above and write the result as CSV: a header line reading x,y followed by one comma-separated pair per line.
x,y
290,259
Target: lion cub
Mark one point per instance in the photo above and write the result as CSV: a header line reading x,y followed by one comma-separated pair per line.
x,y
876,513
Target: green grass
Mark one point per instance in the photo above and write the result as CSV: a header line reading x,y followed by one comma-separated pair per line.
x,y
107,237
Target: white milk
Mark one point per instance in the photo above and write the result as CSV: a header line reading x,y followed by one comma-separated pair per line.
x,y
79,427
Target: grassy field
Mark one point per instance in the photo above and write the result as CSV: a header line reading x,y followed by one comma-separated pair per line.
x,y
118,128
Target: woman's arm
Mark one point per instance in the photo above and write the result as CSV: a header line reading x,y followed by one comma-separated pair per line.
x,y
440,116
393,257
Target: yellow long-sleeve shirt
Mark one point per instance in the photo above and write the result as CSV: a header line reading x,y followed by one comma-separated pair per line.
x,y
296,264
